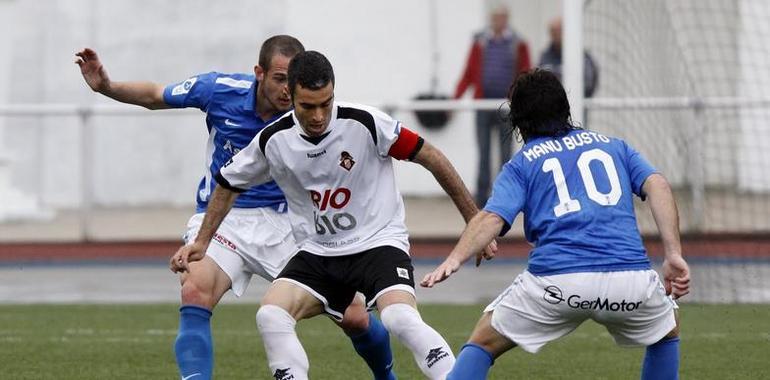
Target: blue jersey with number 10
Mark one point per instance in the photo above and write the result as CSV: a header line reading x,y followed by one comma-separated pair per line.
x,y
229,103
576,193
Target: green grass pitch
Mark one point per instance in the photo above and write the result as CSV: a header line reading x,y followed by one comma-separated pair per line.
x,y
135,342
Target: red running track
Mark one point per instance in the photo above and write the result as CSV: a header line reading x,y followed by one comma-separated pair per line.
x,y
704,246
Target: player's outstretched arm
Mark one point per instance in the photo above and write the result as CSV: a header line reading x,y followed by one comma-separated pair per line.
x,y
432,159
436,162
676,272
219,205
479,233
145,94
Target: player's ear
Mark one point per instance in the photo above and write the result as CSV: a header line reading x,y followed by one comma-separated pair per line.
x,y
259,72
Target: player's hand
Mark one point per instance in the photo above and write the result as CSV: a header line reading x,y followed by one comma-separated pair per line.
x,y
92,69
441,273
488,253
180,262
676,276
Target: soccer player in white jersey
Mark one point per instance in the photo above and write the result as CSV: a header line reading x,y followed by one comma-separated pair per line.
x,y
575,189
256,237
333,161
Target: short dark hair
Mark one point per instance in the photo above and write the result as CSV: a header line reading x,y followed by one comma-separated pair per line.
x,y
311,70
539,105
281,44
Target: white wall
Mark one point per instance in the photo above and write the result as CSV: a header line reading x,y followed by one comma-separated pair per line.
x,y
381,51
753,156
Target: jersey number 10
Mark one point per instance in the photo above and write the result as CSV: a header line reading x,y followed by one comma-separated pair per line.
x,y
566,203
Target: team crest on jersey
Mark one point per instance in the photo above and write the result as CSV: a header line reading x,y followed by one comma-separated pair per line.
x,y
346,161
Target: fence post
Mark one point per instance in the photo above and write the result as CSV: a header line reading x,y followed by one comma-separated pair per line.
x,y
572,53
86,172
696,169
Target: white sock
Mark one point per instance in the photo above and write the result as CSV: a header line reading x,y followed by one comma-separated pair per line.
x,y
285,354
430,350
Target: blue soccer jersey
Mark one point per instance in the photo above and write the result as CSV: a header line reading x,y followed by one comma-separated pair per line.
x,y
575,193
229,103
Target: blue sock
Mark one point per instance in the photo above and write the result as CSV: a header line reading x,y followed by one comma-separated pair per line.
x,y
472,363
661,361
374,347
193,347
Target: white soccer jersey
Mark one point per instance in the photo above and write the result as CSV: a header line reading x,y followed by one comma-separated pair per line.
x,y
340,186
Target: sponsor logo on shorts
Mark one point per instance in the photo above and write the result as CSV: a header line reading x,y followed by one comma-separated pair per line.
x,y
435,355
402,272
554,295
222,240
283,374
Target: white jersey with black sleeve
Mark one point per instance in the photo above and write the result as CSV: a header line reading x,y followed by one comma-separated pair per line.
x,y
340,186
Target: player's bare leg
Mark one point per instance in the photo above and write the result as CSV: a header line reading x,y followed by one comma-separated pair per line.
x,y
202,288
398,310
356,318
282,306
369,337
486,337
661,360
483,347
205,284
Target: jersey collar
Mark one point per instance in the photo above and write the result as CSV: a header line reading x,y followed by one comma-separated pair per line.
x,y
489,34
250,102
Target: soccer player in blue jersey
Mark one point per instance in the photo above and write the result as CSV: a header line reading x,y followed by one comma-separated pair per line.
x,y
255,238
575,189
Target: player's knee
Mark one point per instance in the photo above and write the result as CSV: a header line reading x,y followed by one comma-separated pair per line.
x,y
274,319
355,320
399,316
195,294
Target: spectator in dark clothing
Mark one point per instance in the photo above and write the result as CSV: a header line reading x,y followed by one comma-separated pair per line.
x,y
551,60
498,55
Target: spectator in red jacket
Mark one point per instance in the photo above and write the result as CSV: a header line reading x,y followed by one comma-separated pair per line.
x,y
496,58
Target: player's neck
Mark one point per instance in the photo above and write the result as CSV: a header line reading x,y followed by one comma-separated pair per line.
x,y
264,108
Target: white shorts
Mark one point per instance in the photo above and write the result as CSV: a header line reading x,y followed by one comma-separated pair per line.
x,y
249,241
632,305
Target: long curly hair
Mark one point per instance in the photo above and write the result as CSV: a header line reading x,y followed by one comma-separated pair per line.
x,y
539,106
